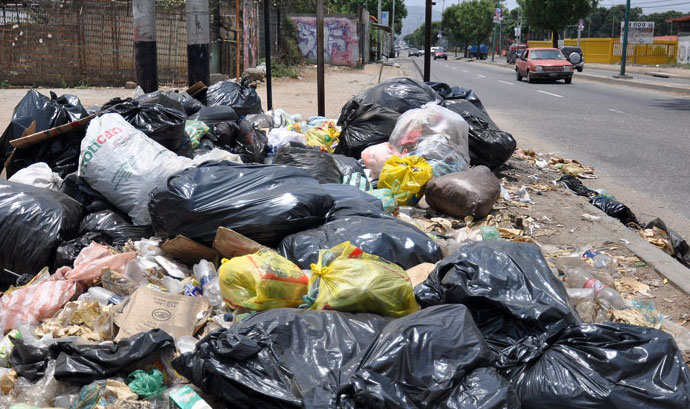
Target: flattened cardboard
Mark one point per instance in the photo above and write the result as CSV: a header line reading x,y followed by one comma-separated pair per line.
x,y
189,251
230,243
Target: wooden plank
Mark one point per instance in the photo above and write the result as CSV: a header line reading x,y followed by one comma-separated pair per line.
x,y
30,140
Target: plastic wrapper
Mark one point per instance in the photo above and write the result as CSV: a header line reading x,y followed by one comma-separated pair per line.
x,y
347,279
320,165
38,175
34,222
124,165
195,130
351,201
387,237
172,99
93,260
162,124
387,199
509,289
241,96
369,118
447,131
264,203
469,193
489,146
454,371
68,251
375,157
615,209
323,135
48,112
261,281
603,366
280,358
406,177
242,138
213,115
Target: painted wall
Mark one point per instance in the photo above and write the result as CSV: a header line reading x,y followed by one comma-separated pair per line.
x,y
341,40
684,50
250,33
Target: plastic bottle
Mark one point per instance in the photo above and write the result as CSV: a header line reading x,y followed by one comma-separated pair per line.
x,y
104,296
587,311
212,292
204,272
606,296
174,286
490,233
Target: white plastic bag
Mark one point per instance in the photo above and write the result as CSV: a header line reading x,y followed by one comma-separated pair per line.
x,y
278,137
124,165
375,156
422,131
39,175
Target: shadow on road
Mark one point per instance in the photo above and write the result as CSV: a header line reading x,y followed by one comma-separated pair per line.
x,y
676,104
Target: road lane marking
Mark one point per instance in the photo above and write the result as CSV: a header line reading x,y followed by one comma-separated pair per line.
x,y
480,75
505,82
616,111
455,68
550,93
465,71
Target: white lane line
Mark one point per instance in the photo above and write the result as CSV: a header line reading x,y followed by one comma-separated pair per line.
x,y
505,82
465,71
616,111
550,93
480,75
455,68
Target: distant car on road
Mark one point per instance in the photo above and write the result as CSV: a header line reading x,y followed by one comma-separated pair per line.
x,y
440,53
543,63
574,55
483,52
413,52
513,52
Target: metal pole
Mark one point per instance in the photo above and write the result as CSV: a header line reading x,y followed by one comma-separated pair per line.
x,y
145,54
493,45
198,38
319,59
379,34
579,32
427,41
238,40
624,51
267,47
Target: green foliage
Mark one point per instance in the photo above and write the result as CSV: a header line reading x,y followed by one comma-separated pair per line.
x,y
470,21
416,38
82,85
606,22
4,84
280,70
554,15
170,5
288,52
350,7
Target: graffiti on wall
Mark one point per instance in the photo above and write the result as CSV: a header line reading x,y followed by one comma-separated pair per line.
x,y
250,33
341,42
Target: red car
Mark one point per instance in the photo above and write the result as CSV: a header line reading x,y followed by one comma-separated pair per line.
x,y
440,53
543,63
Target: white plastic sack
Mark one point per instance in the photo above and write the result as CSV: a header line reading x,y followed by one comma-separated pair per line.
x,y
278,137
216,155
435,133
38,175
376,155
124,165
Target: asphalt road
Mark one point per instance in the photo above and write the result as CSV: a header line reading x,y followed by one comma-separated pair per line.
x,y
638,141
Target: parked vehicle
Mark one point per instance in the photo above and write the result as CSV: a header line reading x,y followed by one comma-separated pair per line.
x,y
413,52
574,55
513,52
543,63
440,53
483,52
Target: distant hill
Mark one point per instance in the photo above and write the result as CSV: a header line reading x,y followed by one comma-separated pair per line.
x,y
415,18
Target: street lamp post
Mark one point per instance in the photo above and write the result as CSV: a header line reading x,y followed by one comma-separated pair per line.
x,y
624,51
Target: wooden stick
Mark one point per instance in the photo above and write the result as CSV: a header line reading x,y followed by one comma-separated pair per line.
x,y
30,140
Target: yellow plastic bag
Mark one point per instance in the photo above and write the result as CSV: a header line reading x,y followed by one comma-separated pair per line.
x,y
348,279
262,281
406,177
323,136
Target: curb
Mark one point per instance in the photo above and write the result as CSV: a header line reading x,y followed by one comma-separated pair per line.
x,y
627,83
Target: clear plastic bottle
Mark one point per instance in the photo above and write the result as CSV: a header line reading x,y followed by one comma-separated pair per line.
x,y
212,292
104,296
587,310
204,272
606,297
174,286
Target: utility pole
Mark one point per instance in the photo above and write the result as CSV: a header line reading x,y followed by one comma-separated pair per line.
x,y
393,27
267,47
497,20
198,38
624,51
145,54
320,83
427,41
379,36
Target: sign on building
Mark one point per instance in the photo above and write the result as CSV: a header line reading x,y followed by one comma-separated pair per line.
x,y
384,18
639,32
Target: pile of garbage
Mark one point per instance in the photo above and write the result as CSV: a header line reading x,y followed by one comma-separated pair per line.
x,y
188,250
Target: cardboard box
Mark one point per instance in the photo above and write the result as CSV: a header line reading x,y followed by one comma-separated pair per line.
x,y
185,398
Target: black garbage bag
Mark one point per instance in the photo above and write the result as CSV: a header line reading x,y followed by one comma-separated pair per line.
x,y
681,249
48,112
180,101
117,227
575,185
60,153
449,93
615,209
603,366
78,189
212,116
347,165
509,289
68,251
242,138
34,222
320,165
434,358
352,201
276,358
28,360
369,117
394,240
489,146
263,202
241,96
162,124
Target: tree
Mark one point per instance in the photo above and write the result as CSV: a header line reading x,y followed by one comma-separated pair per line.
x,y
350,7
554,15
470,21
661,27
416,38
